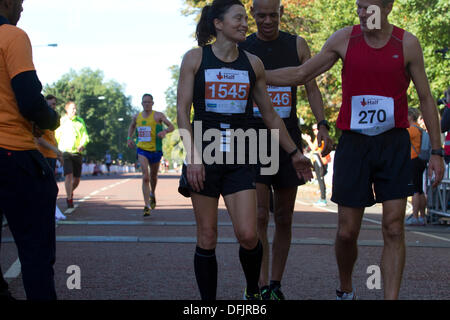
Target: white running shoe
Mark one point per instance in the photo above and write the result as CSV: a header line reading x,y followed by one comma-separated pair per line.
x,y
59,215
340,295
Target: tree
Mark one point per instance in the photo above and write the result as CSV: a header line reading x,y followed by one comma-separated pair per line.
x,y
103,106
172,144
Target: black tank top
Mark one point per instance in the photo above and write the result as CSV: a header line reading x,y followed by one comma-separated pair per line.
x,y
275,54
223,91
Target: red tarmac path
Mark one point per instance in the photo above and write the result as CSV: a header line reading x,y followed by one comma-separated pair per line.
x,y
124,256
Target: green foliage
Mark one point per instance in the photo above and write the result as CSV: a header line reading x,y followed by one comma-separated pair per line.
x,y
317,20
172,144
102,115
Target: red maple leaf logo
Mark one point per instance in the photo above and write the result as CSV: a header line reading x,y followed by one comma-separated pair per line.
x,y
364,103
219,76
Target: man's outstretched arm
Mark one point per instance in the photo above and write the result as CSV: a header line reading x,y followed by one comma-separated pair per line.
x,y
320,63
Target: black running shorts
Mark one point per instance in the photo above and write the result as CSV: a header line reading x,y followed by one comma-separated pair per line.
x,y
221,179
370,169
418,166
286,177
72,164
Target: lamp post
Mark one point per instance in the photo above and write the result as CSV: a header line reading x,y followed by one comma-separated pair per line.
x,y
46,45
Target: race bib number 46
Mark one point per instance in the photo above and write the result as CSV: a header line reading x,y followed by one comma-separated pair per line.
x,y
226,90
281,100
144,134
372,115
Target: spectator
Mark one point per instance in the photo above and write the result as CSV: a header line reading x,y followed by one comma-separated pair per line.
x,y
320,165
419,201
108,161
445,125
49,148
27,185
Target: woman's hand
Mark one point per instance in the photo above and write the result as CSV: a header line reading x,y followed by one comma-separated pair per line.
x,y
196,176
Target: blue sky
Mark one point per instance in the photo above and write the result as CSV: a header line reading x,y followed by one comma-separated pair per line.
x,y
133,42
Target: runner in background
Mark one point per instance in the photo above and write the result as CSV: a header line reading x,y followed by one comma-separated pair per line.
x,y
148,125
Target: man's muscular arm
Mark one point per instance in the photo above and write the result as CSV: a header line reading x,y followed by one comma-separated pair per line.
x,y
333,49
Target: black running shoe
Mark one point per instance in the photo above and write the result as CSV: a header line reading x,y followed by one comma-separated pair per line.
x,y
276,294
265,293
146,211
254,296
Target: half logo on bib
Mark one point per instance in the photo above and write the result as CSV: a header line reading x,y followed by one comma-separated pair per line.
x,y
372,115
226,90
144,134
281,98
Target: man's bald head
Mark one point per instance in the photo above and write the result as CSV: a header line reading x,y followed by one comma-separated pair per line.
x,y
267,15
261,2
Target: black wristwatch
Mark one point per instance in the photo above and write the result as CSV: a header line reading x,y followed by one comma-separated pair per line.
x,y
323,123
438,152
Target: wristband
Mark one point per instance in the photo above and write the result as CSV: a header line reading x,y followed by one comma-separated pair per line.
x,y
128,138
293,153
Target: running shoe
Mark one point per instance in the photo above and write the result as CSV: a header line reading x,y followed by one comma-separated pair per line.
x,y
152,202
412,222
146,211
265,293
340,295
255,296
276,294
321,203
409,217
59,215
69,203
421,221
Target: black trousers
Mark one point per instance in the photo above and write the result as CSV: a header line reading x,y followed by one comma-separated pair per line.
x,y
3,283
27,199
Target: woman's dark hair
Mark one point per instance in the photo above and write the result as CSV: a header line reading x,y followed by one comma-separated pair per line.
x,y
206,31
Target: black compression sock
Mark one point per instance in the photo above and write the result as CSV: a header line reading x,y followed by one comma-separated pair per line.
x,y
251,264
205,266
275,284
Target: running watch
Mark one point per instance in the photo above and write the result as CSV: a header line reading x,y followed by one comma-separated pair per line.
x,y
323,123
438,152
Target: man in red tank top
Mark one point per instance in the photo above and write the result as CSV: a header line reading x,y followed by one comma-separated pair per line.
x,y
372,162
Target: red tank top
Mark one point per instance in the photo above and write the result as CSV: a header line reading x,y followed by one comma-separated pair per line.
x,y
374,84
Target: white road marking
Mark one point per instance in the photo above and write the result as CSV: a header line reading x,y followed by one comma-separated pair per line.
x,y
14,270
379,222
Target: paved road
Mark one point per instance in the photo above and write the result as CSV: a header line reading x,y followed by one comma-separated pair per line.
x,y
122,255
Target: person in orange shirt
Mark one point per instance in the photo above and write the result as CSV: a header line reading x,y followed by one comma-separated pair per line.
x,y
49,148
419,201
320,165
27,185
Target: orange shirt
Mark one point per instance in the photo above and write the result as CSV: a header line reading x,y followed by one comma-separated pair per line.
x,y
48,136
415,136
15,58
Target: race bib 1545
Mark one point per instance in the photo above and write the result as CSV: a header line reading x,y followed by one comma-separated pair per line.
x,y
226,90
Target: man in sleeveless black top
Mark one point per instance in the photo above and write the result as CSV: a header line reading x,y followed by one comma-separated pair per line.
x,y
278,49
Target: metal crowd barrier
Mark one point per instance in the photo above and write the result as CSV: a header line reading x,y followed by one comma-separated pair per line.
x,y
438,199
